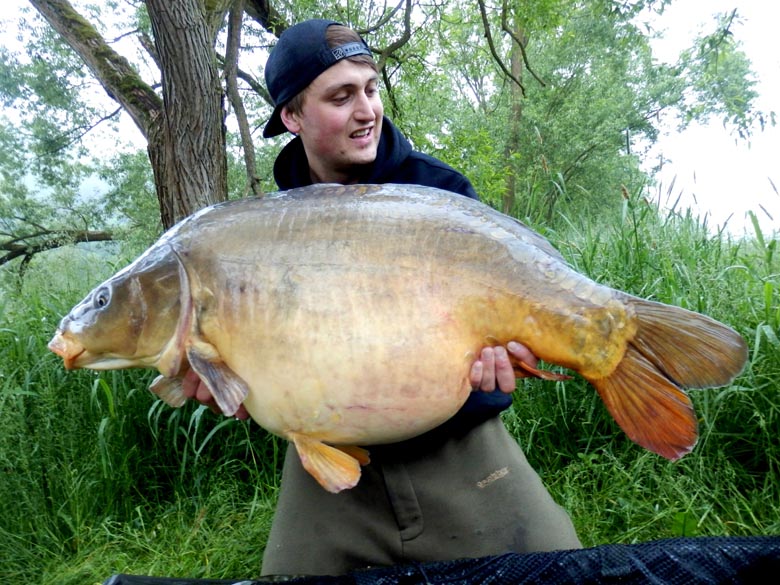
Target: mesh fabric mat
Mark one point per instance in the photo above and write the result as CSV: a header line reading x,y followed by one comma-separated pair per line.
x,y
679,561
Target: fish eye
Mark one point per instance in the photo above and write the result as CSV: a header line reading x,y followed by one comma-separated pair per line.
x,y
102,297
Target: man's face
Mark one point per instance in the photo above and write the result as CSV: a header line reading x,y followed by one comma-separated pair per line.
x,y
340,121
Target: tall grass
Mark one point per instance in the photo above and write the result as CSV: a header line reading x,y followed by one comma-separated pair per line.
x,y
98,477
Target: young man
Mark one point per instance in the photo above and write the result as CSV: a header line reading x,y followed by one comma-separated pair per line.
x,y
462,490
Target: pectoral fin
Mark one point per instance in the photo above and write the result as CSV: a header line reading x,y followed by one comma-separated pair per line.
x,y
334,468
227,387
168,390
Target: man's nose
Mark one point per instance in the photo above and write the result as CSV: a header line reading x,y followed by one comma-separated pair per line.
x,y
364,109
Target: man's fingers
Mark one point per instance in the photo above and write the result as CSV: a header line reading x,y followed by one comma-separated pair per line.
x,y
522,353
488,359
189,383
505,374
475,376
193,387
203,394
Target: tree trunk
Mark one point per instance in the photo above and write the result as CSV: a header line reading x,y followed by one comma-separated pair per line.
x,y
513,140
187,142
186,131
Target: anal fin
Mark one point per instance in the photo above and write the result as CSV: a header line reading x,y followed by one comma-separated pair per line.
x,y
358,453
523,369
334,468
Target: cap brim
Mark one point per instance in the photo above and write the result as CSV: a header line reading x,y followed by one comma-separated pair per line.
x,y
275,126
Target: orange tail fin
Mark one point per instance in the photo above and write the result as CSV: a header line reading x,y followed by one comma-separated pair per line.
x,y
693,350
673,349
651,410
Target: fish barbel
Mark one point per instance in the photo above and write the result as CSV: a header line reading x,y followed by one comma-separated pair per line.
x,y
349,316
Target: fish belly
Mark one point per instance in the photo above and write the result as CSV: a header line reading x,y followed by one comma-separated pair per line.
x,y
358,322
356,355
357,364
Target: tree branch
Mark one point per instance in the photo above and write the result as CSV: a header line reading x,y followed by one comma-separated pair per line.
x,y
74,134
492,46
521,43
148,44
231,81
250,80
214,14
116,75
385,53
266,16
51,239
386,18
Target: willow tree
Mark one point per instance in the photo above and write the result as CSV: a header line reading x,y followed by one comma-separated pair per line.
x,y
183,128
193,47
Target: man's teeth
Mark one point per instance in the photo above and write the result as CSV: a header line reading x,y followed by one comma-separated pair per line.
x,y
361,133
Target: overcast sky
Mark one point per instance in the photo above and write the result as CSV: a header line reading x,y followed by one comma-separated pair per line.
x,y
714,174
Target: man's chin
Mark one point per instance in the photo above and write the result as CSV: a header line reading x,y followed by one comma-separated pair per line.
x,y
364,156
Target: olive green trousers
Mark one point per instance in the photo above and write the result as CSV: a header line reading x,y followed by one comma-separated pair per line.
x,y
427,499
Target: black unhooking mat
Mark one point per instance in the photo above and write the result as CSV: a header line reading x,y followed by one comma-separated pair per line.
x,y
677,561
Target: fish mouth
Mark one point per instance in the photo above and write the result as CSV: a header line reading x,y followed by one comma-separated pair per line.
x,y
68,349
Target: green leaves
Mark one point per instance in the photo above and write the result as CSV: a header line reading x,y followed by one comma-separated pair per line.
x,y
720,81
685,524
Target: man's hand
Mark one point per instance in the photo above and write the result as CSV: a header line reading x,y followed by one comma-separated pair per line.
x,y
493,368
193,387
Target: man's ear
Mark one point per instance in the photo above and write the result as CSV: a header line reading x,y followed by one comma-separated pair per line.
x,y
290,121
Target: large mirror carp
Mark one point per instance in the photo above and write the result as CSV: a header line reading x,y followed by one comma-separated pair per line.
x,y
349,316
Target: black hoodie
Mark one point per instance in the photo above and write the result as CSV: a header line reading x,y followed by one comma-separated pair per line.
x,y
397,162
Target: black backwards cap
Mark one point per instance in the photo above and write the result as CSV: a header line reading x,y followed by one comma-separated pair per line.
x,y
301,54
